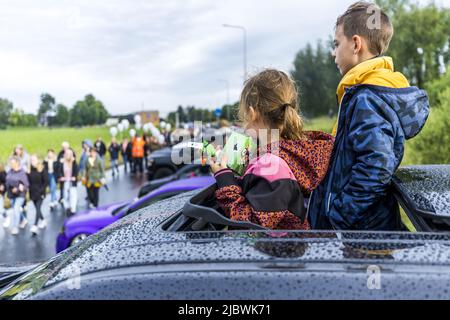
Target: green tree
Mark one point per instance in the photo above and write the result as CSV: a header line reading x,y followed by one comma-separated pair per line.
x,y
89,111
230,112
432,145
421,39
47,105
317,78
18,118
62,116
5,111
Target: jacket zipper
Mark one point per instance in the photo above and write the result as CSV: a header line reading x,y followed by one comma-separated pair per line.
x,y
337,129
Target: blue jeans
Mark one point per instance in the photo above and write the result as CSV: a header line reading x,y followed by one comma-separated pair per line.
x,y
17,204
125,163
114,166
53,187
2,206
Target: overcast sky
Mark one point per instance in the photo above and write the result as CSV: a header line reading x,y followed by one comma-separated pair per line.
x,y
159,54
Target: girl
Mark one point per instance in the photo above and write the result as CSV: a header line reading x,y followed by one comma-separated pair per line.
x,y
16,187
38,178
292,162
51,167
68,173
2,196
94,177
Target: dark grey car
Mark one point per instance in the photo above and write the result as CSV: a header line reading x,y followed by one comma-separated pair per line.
x,y
184,248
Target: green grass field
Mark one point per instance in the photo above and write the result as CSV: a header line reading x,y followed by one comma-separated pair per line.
x,y
39,140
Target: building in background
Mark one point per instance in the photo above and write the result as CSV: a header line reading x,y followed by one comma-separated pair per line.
x,y
149,116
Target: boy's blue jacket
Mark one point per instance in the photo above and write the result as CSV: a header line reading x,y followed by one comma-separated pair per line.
x,y
373,123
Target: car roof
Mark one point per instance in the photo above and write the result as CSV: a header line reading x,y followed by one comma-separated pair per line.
x,y
138,239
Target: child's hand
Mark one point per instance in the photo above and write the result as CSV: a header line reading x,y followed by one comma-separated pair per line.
x,y
215,166
21,188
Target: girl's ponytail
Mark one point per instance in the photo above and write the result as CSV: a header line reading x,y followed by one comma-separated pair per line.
x,y
274,95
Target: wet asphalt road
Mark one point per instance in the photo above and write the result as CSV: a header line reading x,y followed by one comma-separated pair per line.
x,y
25,248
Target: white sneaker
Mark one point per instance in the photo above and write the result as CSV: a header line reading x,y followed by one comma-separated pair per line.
x,y
15,231
23,224
7,222
34,230
42,223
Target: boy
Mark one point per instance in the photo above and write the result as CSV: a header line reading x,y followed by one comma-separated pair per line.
x,y
378,110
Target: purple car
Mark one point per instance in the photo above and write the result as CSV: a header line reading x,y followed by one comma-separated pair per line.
x,y
85,223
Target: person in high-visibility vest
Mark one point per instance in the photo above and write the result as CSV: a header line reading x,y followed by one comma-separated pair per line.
x,y
138,153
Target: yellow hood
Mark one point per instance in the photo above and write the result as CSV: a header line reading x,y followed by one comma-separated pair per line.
x,y
378,71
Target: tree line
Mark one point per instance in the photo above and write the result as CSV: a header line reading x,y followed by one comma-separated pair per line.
x,y
88,111
191,114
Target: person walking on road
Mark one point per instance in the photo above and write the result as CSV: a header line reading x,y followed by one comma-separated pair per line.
x,y
3,212
60,160
86,146
51,167
138,153
38,179
124,154
114,150
101,147
94,177
17,186
68,173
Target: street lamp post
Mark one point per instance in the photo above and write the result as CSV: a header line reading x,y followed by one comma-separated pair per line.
x,y
227,83
245,45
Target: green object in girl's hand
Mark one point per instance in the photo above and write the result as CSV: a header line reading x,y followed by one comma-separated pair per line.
x,y
209,149
238,151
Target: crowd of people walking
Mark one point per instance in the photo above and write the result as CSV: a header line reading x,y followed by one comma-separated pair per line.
x,y
25,179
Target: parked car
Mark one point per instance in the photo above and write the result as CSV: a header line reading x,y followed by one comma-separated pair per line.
x,y
83,224
161,163
185,248
188,171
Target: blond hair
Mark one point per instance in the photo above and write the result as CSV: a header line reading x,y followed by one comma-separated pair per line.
x,y
40,164
355,21
274,96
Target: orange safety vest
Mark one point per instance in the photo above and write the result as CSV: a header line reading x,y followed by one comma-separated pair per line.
x,y
138,148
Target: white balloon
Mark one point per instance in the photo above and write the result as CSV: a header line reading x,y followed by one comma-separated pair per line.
x,y
132,133
168,126
154,132
113,131
146,127
137,119
120,127
138,126
126,124
162,124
